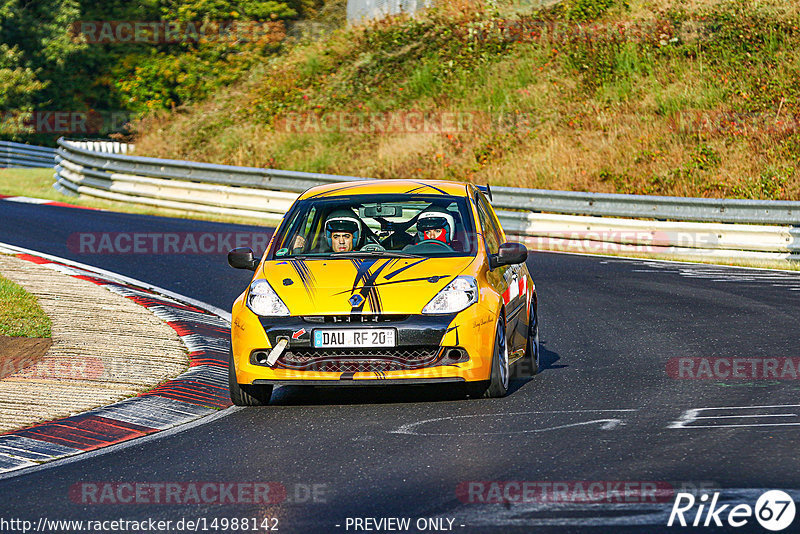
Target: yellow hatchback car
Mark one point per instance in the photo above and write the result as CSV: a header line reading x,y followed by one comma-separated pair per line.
x,y
385,282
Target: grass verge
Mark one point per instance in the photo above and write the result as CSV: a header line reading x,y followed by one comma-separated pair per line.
x,y
20,314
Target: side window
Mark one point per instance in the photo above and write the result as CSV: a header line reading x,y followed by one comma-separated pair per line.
x,y
311,236
294,239
488,226
495,221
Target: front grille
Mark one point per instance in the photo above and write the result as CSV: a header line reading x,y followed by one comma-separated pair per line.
x,y
365,360
354,318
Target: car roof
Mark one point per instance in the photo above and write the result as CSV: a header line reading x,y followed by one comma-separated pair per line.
x,y
372,187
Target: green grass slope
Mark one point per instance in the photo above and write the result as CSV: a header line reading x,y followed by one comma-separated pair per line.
x,y
665,97
20,313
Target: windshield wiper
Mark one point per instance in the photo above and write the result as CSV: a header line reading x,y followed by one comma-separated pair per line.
x,y
301,257
390,253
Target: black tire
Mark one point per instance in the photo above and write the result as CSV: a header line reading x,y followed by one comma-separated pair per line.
x,y
498,383
532,351
246,394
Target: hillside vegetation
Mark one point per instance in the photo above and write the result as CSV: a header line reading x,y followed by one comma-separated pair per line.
x,y
665,97
82,59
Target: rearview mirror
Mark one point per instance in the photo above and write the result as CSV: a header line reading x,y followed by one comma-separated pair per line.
x,y
380,210
242,258
509,254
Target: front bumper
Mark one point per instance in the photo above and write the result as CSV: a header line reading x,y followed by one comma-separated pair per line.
x,y
430,349
363,382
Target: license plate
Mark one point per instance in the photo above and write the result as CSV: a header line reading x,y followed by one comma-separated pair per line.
x,y
367,337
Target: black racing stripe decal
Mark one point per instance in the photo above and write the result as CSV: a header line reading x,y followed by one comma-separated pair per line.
x,y
414,190
431,279
339,189
305,274
362,269
432,187
456,329
398,271
373,295
347,376
374,300
366,278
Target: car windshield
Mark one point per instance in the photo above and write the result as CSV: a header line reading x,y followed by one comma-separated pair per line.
x,y
400,225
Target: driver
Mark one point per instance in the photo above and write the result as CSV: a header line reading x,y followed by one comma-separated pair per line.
x,y
342,230
435,223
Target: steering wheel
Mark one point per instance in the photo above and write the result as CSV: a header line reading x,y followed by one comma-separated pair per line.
x,y
435,242
371,247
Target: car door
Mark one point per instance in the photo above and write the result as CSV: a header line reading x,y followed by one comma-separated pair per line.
x,y
504,279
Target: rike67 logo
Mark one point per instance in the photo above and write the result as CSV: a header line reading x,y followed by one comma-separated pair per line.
x,y
774,510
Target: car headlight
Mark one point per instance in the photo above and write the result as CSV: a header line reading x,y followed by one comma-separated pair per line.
x,y
262,300
459,294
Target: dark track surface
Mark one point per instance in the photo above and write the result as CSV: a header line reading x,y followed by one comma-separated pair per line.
x,y
608,329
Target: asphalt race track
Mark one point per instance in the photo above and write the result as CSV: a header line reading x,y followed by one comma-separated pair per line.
x,y
603,409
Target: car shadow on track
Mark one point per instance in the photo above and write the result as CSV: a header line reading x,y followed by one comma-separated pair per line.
x,y
520,376
309,395
313,396
548,358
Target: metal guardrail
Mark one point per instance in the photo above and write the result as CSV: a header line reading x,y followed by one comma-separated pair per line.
x,y
365,10
107,147
22,155
541,218
547,231
651,207
195,172
171,184
508,198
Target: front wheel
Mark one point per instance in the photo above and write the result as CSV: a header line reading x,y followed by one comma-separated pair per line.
x,y
498,384
246,394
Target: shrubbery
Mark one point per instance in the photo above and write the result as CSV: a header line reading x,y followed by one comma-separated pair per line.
x,y
45,65
602,96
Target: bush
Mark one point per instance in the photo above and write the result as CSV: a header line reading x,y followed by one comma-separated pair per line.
x,y
582,10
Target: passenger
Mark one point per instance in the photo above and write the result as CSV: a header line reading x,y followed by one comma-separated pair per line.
x,y
342,231
436,224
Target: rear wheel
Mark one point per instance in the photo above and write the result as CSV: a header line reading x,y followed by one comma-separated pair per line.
x,y
498,384
246,394
531,360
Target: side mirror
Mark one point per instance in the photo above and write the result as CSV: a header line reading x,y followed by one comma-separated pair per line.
x,y
509,254
242,258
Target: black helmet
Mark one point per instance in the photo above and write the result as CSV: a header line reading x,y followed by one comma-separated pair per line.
x,y
342,221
